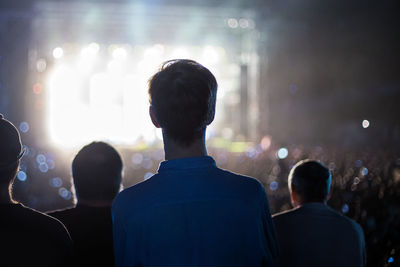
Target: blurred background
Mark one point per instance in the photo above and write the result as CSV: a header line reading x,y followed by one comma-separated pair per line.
x,y
297,79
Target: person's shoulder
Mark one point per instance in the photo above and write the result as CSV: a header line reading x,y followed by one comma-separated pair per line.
x,y
134,194
348,221
240,179
41,221
240,185
61,213
44,218
284,215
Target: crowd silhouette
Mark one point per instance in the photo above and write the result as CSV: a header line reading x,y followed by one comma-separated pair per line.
x,y
191,212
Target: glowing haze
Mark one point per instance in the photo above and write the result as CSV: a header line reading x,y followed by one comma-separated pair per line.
x,y
100,93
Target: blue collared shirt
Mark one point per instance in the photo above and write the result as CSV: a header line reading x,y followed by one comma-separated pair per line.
x,y
192,213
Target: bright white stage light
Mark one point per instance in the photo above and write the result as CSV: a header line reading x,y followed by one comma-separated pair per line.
x,y
88,57
94,47
66,113
210,55
282,153
115,110
58,52
115,67
180,53
90,51
154,52
233,23
119,53
94,97
365,124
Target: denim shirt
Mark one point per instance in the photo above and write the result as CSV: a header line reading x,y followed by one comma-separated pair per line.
x,y
192,213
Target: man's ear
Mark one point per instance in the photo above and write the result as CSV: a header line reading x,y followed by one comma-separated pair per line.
x,y
153,117
294,198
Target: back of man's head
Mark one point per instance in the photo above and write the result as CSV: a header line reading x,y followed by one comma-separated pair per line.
x,y
182,96
310,180
10,151
97,171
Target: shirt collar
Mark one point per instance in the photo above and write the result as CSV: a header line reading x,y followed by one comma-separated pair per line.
x,y
187,163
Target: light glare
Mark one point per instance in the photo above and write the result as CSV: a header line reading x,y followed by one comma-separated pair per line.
x,y
365,124
58,52
119,53
283,153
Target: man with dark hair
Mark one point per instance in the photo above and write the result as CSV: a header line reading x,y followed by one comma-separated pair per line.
x,y
312,234
27,237
97,172
191,213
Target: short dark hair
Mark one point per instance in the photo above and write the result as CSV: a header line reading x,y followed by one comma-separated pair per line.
x,y
311,180
183,96
97,171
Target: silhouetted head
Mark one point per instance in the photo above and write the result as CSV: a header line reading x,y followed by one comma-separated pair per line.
x,y
182,98
97,172
10,151
309,181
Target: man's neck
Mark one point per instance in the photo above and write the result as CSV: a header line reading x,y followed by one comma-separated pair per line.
x,y
174,150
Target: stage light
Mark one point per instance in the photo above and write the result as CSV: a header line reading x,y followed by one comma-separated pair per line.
x,y
67,116
114,66
265,142
40,158
21,176
365,124
37,88
210,56
24,127
282,153
119,53
64,193
94,96
181,53
273,185
87,57
364,171
58,52
233,23
43,167
154,52
56,182
41,65
90,51
94,48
